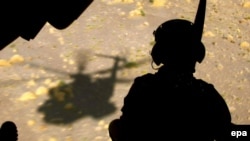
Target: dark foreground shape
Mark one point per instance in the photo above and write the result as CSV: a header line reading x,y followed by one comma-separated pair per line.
x,y
172,104
26,18
8,131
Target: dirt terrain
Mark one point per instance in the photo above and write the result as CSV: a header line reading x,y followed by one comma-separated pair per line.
x,y
67,85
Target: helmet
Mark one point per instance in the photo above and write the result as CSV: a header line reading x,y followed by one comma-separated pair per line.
x,y
179,40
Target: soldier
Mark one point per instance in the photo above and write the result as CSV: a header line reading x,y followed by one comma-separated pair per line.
x,y
172,103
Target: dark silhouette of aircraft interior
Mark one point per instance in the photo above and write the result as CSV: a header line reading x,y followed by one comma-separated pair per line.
x,y
25,18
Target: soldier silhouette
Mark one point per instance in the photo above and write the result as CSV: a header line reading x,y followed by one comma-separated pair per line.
x,y
172,103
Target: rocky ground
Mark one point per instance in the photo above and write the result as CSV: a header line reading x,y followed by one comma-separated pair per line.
x,y
67,85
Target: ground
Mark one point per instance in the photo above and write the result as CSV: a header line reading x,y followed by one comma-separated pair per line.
x,y
67,85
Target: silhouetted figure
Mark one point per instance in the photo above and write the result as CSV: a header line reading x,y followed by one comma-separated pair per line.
x,y
8,131
172,104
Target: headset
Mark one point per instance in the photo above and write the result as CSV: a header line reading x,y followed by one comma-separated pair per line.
x,y
180,37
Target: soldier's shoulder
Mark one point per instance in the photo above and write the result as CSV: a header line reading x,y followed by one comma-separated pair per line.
x,y
145,77
205,86
204,83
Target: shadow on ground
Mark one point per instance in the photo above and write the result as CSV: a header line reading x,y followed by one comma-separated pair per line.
x,y
84,96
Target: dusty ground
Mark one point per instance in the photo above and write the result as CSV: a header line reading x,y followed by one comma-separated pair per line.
x,y
67,85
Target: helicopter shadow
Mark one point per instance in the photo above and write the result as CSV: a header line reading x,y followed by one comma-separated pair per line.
x,y
83,97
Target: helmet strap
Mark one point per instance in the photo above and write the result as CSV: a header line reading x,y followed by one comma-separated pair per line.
x,y
153,67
